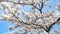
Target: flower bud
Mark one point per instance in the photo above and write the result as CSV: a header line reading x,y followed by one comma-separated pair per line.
x,y
10,28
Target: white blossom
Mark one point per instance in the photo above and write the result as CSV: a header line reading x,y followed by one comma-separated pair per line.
x,y
18,6
58,15
6,16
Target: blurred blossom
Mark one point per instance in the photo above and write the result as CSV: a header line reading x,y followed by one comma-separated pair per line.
x,y
6,16
31,22
58,15
58,6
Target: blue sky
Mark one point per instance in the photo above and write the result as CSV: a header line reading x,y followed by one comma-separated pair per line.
x,y
4,25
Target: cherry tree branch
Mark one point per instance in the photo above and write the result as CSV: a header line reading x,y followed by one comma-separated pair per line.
x,y
50,26
31,4
27,23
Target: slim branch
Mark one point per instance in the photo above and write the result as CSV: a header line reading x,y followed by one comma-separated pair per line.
x,y
22,22
41,6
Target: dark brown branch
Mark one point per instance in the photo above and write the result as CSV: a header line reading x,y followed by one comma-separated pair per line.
x,y
41,6
50,26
